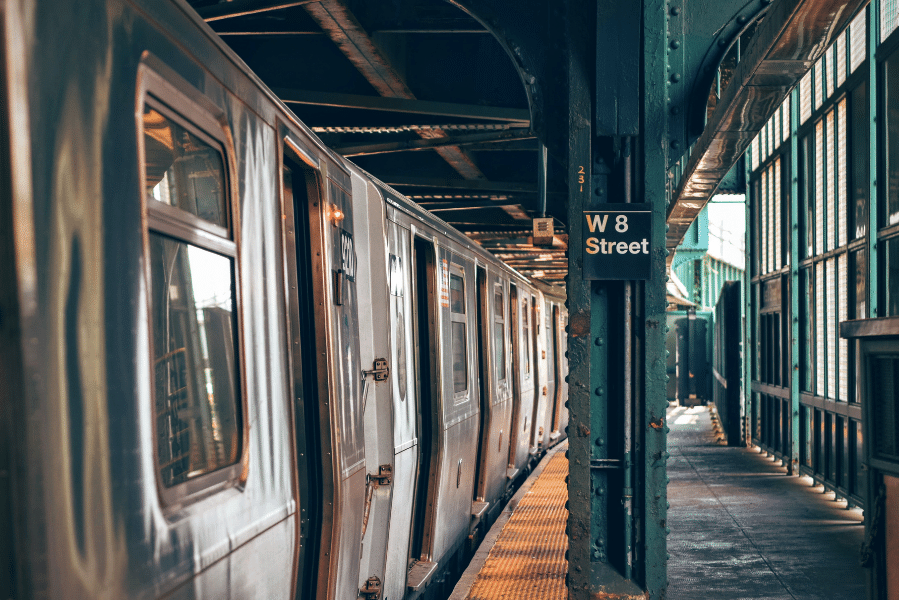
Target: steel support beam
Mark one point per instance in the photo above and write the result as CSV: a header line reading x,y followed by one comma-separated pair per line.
x,y
579,82
240,8
650,308
415,145
795,291
456,184
616,334
794,34
289,33
402,105
453,206
341,26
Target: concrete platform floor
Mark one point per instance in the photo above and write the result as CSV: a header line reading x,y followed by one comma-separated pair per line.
x,y
742,529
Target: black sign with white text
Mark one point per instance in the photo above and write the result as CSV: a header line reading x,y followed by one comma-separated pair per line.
x,y
617,242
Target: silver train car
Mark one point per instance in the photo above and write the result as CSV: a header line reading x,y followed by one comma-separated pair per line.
x,y
233,364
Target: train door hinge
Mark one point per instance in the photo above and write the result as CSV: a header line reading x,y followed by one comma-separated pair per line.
x,y
372,589
380,370
384,476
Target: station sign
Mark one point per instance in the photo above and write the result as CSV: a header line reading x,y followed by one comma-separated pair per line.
x,y
617,242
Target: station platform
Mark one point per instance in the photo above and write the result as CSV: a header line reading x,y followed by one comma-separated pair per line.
x,y
524,553
740,529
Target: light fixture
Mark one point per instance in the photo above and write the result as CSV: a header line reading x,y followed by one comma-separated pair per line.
x,y
336,215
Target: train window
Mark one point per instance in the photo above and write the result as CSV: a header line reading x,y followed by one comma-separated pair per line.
x,y
526,337
457,295
458,349
182,169
460,378
499,330
193,302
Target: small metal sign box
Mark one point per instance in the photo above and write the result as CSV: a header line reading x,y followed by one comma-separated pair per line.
x,y
617,242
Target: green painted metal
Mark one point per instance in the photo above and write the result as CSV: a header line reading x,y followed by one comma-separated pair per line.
x,y
747,395
579,84
614,550
700,33
650,420
794,464
872,38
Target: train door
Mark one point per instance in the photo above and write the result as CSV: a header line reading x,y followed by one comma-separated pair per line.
x,y
403,382
426,317
556,391
484,380
298,185
512,470
12,392
372,283
330,336
539,409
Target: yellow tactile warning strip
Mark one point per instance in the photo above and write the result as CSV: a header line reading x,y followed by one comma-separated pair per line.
x,y
529,558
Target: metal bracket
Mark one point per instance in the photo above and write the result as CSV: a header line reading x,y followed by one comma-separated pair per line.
x,y
384,477
380,370
606,463
372,589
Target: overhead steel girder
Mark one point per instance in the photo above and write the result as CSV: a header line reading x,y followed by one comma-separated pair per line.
x,y
699,35
336,20
790,39
456,184
403,105
413,145
240,8
532,35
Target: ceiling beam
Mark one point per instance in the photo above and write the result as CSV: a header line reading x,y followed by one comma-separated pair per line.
x,y
430,31
240,8
791,38
402,105
413,145
336,20
456,184
221,33
452,206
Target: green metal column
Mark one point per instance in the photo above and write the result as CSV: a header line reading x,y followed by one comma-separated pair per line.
x,y
747,342
579,83
651,295
617,379
872,37
794,291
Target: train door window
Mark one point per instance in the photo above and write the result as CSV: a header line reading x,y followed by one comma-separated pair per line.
x,y
499,331
513,334
192,269
526,337
553,330
458,348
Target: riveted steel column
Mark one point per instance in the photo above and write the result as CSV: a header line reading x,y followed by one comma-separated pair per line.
x,y
794,291
872,37
651,296
617,393
579,80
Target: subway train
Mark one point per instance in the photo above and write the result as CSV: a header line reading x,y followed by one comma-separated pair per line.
x,y
233,364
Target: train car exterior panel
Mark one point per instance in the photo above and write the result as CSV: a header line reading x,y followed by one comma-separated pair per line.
x,y
372,280
87,322
311,471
